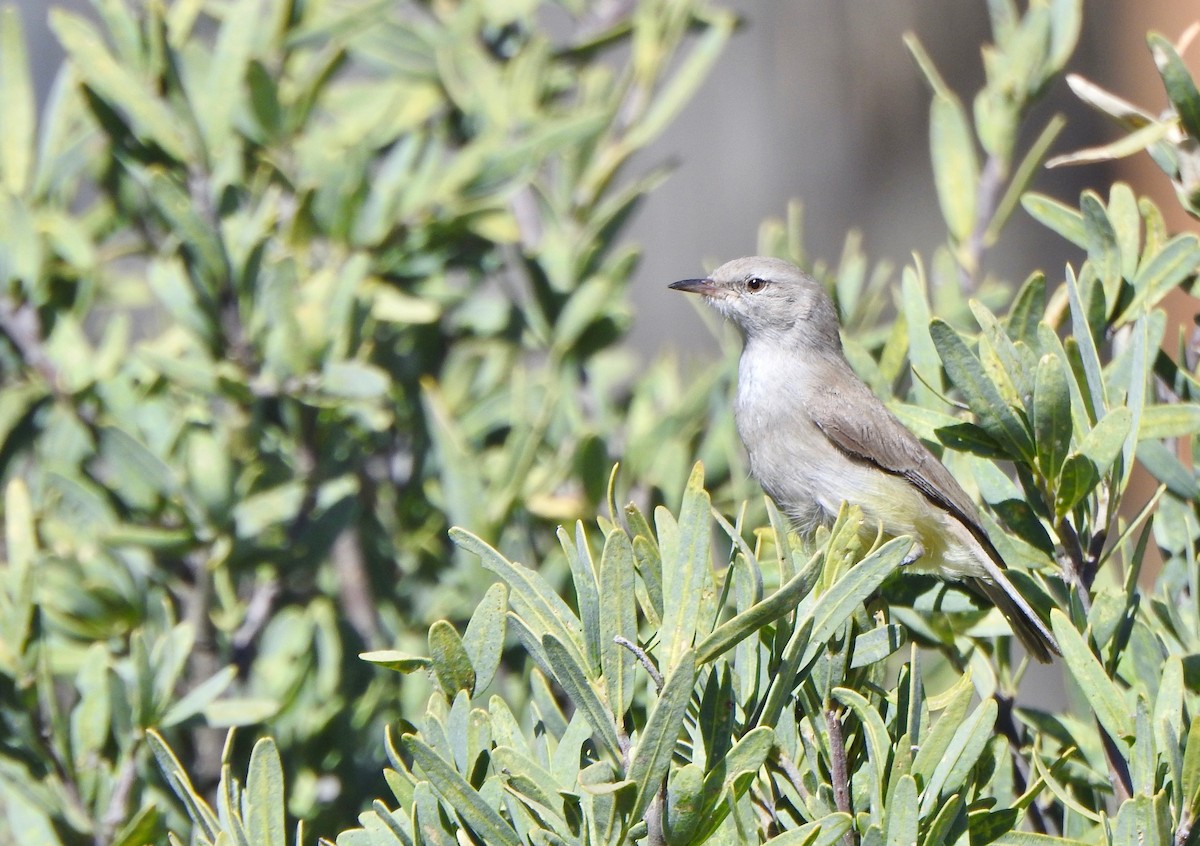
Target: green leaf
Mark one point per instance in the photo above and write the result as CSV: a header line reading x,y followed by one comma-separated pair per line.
x,y
878,742
823,832
838,604
200,242
980,393
396,660
754,618
354,380
1191,768
571,675
264,796
1101,692
16,104
1165,466
655,747
1027,838
1103,250
464,499
151,120
530,596
1057,217
730,776
587,594
1103,444
686,568
933,747
199,697
955,167
451,664
1176,262
1028,308
684,82
922,354
902,816
484,637
1052,426
618,618
459,795
1096,398
1181,90
198,810
877,644
1175,420
685,803
227,73
962,753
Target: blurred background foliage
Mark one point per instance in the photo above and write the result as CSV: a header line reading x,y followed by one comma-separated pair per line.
x,y
291,288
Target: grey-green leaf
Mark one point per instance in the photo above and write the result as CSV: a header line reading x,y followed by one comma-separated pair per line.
x,y
1052,424
451,664
980,393
464,799
264,797
573,678
1102,693
484,637
652,756
955,165
618,618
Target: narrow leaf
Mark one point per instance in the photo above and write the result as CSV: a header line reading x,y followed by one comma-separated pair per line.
x,y
264,796
955,166
571,675
484,637
459,795
652,756
1101,692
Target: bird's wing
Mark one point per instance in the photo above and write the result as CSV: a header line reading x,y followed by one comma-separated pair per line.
x,y
879,438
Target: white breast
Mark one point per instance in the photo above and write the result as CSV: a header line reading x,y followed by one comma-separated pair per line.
x,y
806,475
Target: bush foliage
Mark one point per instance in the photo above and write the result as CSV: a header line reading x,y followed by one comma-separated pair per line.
x,y
291,288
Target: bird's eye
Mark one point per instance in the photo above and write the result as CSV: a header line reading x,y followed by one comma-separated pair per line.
x,y
755,284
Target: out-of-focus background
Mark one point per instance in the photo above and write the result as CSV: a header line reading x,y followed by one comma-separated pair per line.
x,y
793,111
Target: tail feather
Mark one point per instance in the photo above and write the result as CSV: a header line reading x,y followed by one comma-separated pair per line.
x,y
1026,624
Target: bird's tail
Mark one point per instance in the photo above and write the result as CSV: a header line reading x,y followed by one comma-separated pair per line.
x,y
1026,624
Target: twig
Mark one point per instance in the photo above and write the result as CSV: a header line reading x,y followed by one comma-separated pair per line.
x,y
203,663
1122,783
644,658
1008,728
354,585
654,817
258,612
1075,566
20,324
837,764
991,179
792,773
118,803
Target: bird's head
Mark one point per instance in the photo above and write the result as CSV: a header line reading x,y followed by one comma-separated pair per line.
x,y
770,299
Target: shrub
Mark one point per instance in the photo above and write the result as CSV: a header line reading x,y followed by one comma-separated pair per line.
x,y
330,390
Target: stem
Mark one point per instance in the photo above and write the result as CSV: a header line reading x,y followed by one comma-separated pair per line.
x,y
1076,565
837,765
1122,783
991,179
1008,728
644,658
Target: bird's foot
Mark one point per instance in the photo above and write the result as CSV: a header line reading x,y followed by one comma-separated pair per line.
x,y
913,554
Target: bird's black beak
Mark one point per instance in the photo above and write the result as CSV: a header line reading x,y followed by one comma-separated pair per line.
x,y
707,287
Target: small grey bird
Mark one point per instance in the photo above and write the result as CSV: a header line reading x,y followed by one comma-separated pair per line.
x,y
817,436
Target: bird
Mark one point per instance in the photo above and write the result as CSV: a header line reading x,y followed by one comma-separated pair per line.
x,y
817,437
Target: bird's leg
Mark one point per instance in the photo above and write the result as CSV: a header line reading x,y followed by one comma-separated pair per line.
x,y
913,554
